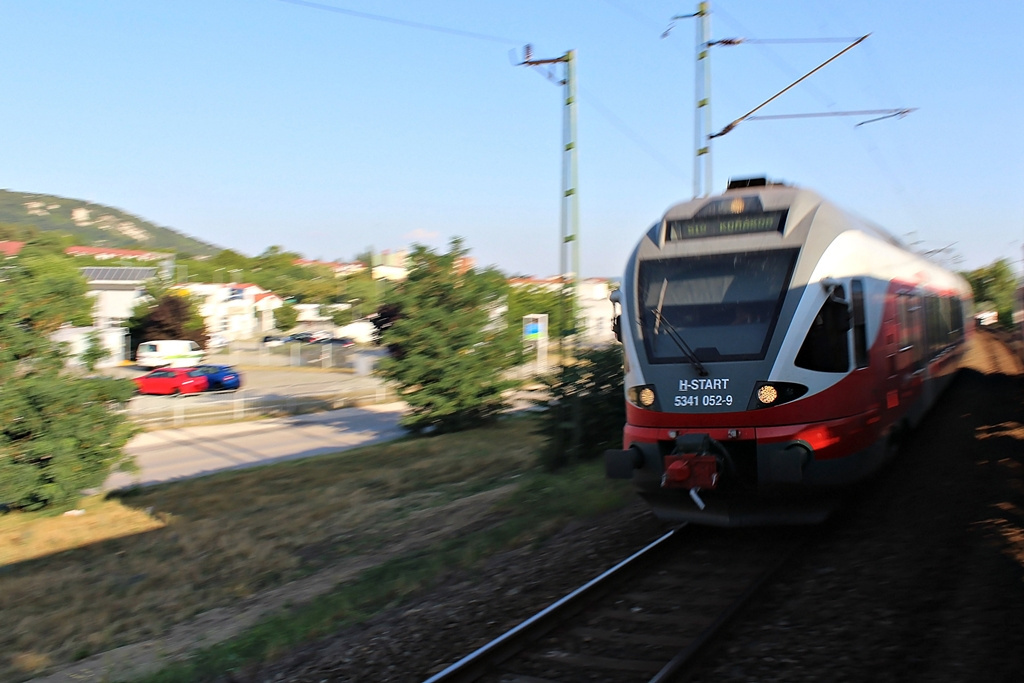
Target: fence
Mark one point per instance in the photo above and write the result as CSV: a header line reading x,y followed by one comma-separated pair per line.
x,y
180,411
293,354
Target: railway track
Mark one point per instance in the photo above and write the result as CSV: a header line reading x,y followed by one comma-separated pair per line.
x,y
648,618
999,352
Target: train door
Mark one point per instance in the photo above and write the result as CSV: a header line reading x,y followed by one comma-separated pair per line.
x,y
858,320
910,358
892,340
886,337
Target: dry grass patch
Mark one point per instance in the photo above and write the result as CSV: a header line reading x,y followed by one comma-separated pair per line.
x,y
205,543
31,536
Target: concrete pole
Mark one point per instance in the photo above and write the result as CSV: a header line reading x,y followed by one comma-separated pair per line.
x,y
702,115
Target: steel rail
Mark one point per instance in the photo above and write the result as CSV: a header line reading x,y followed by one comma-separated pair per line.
x,y
473,665
687,657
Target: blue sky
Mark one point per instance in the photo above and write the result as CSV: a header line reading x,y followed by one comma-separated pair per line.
x,y
250,123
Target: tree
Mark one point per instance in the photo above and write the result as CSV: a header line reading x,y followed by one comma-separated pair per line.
x,y
382,321
285,317
340,318
994,286
361,291
173,315
444,356
526,301
59,433
94,351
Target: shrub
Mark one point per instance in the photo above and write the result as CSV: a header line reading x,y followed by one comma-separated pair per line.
x,y
586,410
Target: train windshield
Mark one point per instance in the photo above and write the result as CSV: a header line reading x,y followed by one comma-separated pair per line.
x,y
722,306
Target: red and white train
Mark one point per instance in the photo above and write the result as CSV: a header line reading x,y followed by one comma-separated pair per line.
x,y
774,346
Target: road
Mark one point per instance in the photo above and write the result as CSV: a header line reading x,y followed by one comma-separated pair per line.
x,y
267,381
172,454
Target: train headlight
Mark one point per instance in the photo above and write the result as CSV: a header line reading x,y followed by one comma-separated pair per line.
x,y
642,396
646,397
768,394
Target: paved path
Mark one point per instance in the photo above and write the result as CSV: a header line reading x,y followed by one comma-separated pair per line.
x,y
170,454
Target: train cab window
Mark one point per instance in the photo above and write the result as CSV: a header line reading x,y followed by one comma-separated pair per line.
x,y
860,333
826,347
722,306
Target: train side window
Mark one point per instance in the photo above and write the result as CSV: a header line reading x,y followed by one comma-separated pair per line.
x,y
826,347
958,318
936,339
905,322
947,320
860,332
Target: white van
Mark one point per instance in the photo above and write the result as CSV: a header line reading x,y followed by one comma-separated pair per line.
x,y
175,353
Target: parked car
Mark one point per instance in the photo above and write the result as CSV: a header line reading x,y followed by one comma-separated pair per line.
x,y
271,340
220,377
341,341
172,381
176,353
304,337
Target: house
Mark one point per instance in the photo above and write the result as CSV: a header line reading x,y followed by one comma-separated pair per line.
x,y
107,253
113,340
594,310
338,268
233,310
116,291
390,273
10,249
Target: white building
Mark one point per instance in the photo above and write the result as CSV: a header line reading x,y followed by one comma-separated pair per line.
x,y
593,308
595,311
116,292
311,318
390,273
235,311
113,340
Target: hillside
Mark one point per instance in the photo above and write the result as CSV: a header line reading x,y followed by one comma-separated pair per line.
x,y
95,224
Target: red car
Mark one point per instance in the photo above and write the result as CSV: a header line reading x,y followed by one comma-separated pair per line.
x,y
172,381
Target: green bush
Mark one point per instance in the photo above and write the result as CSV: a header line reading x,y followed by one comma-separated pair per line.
x,y
94,351
59,434
59,437
586,411
443,350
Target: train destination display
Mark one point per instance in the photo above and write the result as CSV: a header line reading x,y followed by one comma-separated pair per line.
x,y
712,226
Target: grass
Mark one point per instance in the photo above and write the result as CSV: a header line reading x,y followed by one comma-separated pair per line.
x,y
131,568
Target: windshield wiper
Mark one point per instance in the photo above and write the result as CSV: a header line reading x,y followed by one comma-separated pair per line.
x,y
679,341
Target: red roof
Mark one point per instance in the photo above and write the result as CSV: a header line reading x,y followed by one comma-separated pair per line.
x,y
11,248
112,253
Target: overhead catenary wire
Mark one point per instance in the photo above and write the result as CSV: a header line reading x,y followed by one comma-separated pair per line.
x,y
807,75
638,140
772,55
633,13
884,114
895,182
589,98
780,41
403,22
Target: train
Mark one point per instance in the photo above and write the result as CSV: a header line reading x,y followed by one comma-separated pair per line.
x,y
777,351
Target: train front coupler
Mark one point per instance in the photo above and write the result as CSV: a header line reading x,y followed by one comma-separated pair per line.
x,y
696,463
